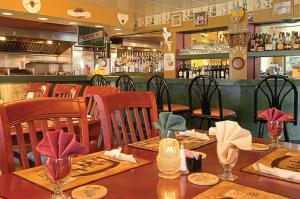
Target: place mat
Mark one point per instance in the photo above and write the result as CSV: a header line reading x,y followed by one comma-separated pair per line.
x,y
188,142
225,190
281,158
85,169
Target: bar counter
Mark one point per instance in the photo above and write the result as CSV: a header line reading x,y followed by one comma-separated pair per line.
x,y
237,95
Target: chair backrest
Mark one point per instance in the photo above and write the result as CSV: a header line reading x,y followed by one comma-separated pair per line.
x,y
125,83
127,117
275,89
24,123
201,91
37,90
99,80
89,93
158,85
66,90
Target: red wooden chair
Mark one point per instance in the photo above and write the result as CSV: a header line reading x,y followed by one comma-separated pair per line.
x,y
37,90
66,90
93,112
119,110
26,122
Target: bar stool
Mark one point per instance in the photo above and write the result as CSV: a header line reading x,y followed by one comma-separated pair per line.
x,y
37,90
275,89
159,86
125,83
201,91
99,80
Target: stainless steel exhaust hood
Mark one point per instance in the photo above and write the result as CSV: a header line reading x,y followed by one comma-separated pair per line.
x,y
35,41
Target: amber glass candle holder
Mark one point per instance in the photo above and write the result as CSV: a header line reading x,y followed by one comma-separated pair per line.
x,y
168,159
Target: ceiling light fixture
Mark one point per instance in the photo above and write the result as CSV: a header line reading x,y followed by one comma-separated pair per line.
x,y
7,13
2,38
49,42
119,33
72,23
118,29
43,18
98,26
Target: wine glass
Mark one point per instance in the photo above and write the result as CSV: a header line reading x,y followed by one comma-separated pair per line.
x,y
58,171
275,132
228,162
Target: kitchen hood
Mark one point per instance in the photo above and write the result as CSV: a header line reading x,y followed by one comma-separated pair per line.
x,y
18,40
21,45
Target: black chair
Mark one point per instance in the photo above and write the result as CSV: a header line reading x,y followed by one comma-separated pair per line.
x,y
201,91
159,86
125,83
275,89
99,80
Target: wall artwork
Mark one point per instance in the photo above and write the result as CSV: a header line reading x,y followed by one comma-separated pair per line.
x,y
200,19
176,19
169,61
283,8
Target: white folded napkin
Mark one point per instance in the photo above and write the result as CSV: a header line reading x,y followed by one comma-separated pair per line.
x,y
193,133
231,136
116,153
282,173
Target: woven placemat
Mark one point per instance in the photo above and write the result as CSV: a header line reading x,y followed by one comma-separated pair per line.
x,y
232,190
85,169
189,143
281,158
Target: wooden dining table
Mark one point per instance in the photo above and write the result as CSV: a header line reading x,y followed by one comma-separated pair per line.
x,y
143,182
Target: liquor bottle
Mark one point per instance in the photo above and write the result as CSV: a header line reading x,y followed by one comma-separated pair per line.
x,y
260,43
252,43
287,44
280,43
268,45
274,42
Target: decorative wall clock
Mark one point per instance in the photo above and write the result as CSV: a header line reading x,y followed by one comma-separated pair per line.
x,y
238,63
32,6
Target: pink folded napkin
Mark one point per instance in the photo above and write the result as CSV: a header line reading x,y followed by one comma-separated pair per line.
x,y
274,115
58,146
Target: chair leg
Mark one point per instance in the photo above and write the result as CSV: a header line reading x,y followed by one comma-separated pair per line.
x,y
260,131
285,131
201,121
208,124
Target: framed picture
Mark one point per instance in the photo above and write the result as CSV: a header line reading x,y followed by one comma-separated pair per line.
x,y
200,19
176,19
169,61
283,8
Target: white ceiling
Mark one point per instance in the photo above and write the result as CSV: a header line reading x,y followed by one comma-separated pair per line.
x,y
150,7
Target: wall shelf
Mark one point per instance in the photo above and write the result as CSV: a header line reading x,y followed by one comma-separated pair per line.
x,y
203,56
277,53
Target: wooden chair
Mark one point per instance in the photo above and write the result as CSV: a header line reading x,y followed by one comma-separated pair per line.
x,y
119,110
158,85
202,89
125,83
99,80
33,118
275,90
37,90
66,90
93,111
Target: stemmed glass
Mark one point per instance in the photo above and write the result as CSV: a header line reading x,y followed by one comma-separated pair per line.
x,y
275,132
58,171
228,163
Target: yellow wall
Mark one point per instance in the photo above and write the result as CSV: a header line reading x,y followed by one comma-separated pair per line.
x,y
58,9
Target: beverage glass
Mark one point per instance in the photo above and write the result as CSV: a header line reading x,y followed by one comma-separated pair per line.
x,y
275,132
229,163
58,171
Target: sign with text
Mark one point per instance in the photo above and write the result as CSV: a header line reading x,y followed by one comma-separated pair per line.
x,y
90,36
169,61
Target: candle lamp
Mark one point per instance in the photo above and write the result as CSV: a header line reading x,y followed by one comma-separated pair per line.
x,y
168,159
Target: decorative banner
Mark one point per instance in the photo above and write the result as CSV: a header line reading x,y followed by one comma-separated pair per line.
x,y
90,36
169,61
